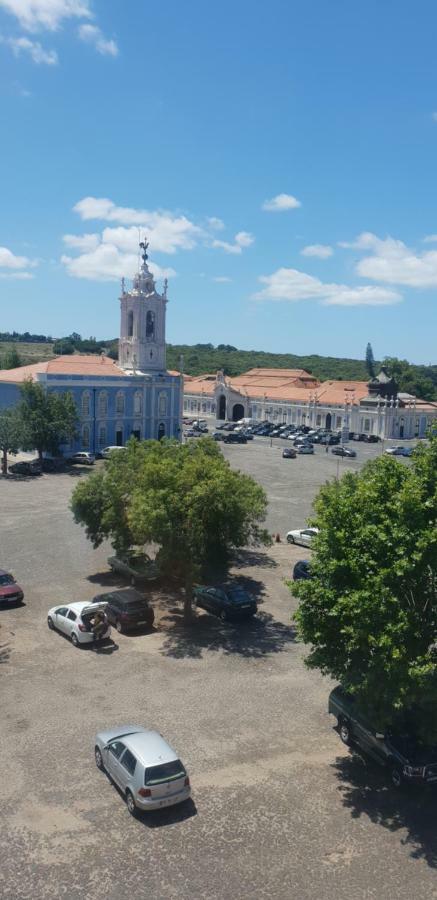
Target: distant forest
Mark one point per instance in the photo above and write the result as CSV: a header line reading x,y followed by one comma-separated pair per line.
x,y
201,358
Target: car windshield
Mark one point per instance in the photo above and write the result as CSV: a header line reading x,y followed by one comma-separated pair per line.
x,y
165,772
135,606
237,595
6,579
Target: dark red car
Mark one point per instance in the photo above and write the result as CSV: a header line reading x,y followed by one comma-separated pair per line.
x,y
10,591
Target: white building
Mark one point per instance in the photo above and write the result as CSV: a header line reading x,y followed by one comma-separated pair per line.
x,y
296,397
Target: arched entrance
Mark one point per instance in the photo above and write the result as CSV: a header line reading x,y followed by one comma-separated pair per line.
x,y
222,407
328,421
237,412
161,431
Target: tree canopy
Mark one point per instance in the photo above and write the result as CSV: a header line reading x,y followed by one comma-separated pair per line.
x,y
370,612
184,498
370,361
49,418
11,435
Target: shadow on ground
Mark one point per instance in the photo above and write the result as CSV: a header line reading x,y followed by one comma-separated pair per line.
x,y
254,638
253,558
366,791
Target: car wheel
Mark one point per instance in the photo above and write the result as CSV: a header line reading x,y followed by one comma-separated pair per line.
x,y
290,539
130,803
119,626
396,777
223,616
74,639
50,623
98,759
344,731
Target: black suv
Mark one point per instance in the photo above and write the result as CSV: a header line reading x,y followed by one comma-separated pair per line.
x,y
235,437
127,609
401,753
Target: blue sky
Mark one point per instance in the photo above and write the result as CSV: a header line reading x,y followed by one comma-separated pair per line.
x,y
281,159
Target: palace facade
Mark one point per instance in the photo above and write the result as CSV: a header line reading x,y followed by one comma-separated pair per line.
x,y
114,400
296,397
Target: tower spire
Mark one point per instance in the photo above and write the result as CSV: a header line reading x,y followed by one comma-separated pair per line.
x,y
144,246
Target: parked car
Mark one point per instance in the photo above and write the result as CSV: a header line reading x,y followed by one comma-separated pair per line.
x,y
405,757
218,436
143,765
106,452
289,453
302,570
394,451
83,457
33,467
235,437
136,565
126,609
371,438
304,536
344,451
225,602
75,620
10,591
302,439
408,451
305,448
53,463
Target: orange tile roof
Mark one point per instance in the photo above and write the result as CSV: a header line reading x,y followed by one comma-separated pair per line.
x,y
76,364
294,389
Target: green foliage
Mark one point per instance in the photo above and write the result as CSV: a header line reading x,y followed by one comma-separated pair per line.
x,y
370,612
10,360
184,498
63,347
418,380
370,361
11,435
49,419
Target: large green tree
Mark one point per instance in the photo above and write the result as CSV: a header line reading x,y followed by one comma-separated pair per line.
x,y
11,435
370,612
49,418
184,498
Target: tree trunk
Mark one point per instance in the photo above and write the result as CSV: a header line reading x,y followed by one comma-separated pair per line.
x,y
40,452
188,597
5,462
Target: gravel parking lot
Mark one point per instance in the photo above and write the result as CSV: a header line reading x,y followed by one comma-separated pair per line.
x,y
280,808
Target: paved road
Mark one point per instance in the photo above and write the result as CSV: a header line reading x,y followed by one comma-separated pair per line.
x,y
280,809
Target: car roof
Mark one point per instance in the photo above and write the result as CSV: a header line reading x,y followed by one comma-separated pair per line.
x,y
79,605
4,572
124,595
150,748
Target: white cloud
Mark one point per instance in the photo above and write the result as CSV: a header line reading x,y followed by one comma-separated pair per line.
x,y
35,15
82,241
391,261
167,232
91,34
215,224
430,239
33,48
108,263
242,239
222,279
281,203
16,266
321,251
293,285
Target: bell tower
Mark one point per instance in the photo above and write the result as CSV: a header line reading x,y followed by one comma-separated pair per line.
x,y
142,329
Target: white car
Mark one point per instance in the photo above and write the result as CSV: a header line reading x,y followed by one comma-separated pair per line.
x,y
303,536
305,449
108,450
74,620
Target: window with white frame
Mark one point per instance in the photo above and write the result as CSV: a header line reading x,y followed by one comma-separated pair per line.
x,y
86,403
102,436
318,419
162,405
85,437
103,404
119,403
338,425
138,403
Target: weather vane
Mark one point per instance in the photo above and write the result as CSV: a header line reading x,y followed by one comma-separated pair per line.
x,y
144,246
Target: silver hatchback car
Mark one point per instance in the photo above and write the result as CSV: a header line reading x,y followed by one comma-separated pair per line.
x,y
144,767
